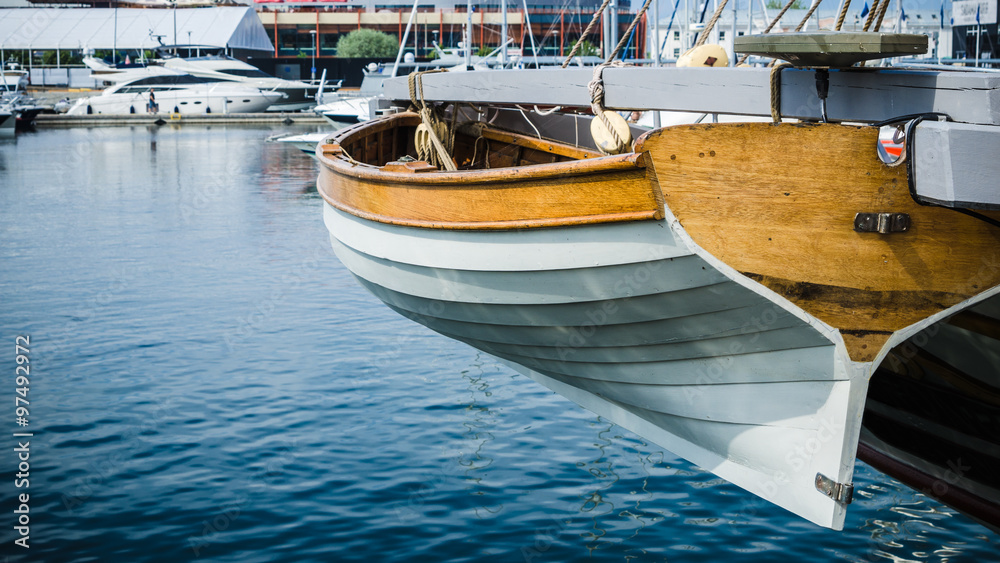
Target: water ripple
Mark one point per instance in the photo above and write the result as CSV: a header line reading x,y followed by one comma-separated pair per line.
x,y
212,384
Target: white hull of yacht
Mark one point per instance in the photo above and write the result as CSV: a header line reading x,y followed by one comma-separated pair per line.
x,y
213,99
7,123
346,110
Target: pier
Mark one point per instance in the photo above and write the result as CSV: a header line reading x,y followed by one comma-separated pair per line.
x,y
61,120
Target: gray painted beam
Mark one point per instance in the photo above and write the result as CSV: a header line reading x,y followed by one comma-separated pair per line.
x,y
855,95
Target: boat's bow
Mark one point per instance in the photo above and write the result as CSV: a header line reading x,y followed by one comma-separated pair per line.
x,y
567,271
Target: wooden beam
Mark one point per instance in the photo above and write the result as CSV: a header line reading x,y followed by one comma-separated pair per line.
x,y
865,95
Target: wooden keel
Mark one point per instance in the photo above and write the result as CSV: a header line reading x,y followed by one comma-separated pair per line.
x,y
778,204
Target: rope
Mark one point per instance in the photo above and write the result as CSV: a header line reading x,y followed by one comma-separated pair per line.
x,y
776,90
711,23
842,15
627,36
596,89
773,23
871,15
428,135
525,116
881,14
877,12
809,14
586,33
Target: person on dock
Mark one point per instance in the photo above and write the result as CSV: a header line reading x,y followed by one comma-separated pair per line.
x,y
152,106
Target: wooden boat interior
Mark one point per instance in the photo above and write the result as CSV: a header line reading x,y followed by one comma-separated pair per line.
x,y
476,146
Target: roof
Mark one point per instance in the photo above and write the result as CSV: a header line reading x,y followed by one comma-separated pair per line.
x,y
235,27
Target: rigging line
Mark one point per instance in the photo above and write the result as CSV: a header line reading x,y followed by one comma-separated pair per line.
x,y
881,14
871,15
586,33
666,35
878,19
525,116
809,14
628,45
842,15
701,19
770,26
703,37
628,32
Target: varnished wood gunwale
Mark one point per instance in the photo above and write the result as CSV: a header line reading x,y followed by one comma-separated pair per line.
x,y
777,203
615,163
575,192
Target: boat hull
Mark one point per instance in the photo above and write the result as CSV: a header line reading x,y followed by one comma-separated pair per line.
x,y
7,124
627,322
625,313
932,416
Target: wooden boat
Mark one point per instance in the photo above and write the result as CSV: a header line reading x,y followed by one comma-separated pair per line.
x,y
724,290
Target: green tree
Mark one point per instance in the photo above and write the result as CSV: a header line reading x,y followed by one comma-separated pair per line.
x,y
367,43
65,57
484,50
587,49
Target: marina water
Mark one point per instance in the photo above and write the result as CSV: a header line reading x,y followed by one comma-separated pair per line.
x,y
207,382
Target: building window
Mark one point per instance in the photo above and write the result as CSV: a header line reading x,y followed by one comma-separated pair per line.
x,y
677,35
677,52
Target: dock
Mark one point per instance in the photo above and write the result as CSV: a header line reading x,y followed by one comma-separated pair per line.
x,y
61,120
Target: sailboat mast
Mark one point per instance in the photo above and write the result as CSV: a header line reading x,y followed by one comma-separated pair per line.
x,y
531,35
402,40
468,35
503,33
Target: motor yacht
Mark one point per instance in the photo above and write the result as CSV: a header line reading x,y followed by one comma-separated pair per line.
x,y
162,90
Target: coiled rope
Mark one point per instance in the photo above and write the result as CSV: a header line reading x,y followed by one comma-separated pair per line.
x,y
431,129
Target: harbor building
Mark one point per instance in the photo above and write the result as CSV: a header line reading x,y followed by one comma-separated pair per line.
x,y
976,33
536,27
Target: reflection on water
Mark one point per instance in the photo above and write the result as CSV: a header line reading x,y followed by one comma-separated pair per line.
x,y
479,420
214,385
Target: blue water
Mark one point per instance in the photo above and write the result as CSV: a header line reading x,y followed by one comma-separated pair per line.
x,y
208,382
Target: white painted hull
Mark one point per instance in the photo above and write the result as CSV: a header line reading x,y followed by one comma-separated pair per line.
x,y
347,110
14,80
305,143
186,102
297,95
7,124
630,322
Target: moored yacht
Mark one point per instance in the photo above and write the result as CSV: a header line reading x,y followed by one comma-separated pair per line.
x,y
212,62
160,90
7,121
13,78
